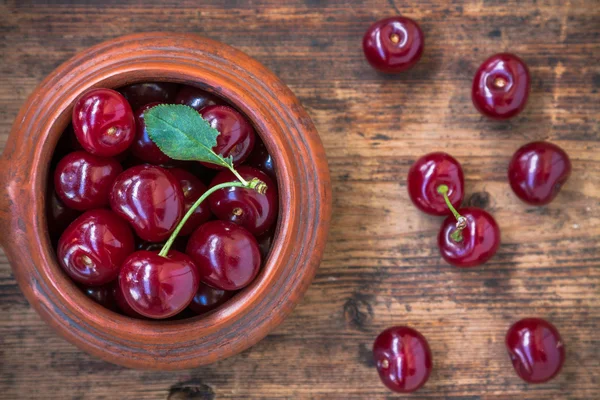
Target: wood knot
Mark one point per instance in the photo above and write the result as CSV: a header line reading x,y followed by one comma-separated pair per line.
x,y
480,200
191,390
358,311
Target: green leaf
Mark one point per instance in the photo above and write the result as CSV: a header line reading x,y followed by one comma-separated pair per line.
x,y
181,133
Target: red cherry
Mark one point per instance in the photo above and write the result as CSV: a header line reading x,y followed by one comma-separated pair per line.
x,y
158,287
58,215
246,207
92,249
537,172
83,180
226,254
427,174
122,304
403,359
536,349
261,159
480,238
236,137
196,98
501,86
393,44
139,94
192,189
143,148
150,199
103,122
104,295
208,298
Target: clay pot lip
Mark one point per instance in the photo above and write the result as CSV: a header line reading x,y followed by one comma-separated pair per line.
x,y
59,300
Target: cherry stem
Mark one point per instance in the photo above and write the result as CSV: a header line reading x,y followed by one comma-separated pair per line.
x,y
255,184
461,222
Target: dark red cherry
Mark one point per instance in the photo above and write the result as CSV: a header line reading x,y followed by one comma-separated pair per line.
x,y
246,207
104,295
236,137
83,180
535,349
139,94
208,298
122,304
393,44
196,98
403,359
150,199
427,174
92,249
537,172
501,86
226,254
103,122
58,215
261,159
143,148
480,238
158,287
192,189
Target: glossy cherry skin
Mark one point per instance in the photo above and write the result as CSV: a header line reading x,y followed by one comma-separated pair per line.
x,y
246,207
58,215
196,98
535,349
92,249
122,304
481,238
140,94
393,44
104,295
501,86
261,159
236,137
150,199
226,254
143,148
192,188
427,174
403,359
103,122
537,172
208,298
83,180
158,287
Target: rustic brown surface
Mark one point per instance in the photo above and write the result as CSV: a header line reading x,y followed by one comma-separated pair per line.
x,y
381,265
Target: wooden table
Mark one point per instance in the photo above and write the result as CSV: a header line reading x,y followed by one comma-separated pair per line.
x,y
382,265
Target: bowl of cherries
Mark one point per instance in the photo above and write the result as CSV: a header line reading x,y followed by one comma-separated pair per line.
x,y
166,201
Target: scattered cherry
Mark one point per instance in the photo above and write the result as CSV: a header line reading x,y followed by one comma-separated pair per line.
x,y
537,172
393,44
536,349
58,215
236,137
501,86
143,148
261,159
150,199
103,122
208,298
104,295
226,254
254,211
427,174
196,98
158,287
403,359
192,189
92,249
139,94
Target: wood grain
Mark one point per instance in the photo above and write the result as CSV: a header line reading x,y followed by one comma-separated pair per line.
x,y
381,265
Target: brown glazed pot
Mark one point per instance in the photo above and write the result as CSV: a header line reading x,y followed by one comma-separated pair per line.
x,y
302,176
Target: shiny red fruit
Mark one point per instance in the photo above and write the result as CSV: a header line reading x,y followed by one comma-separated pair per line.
x,y
537,172
262,160
393,44
196,98
143,148
403,359
83,180
139,94
236,137
192,189
104,295
501,86
480,239
536,349
58,215
427,174
208,298
92,249
245,207
158,287
226,254
122,304
103,122
150,199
